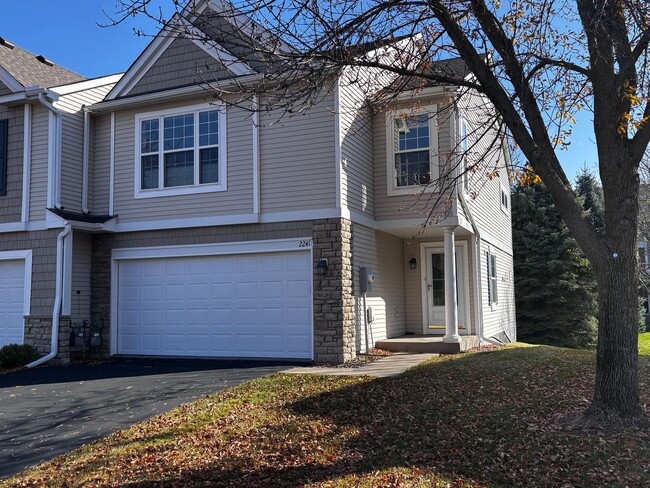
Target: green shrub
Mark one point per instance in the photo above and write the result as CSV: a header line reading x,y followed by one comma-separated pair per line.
x,y
17,355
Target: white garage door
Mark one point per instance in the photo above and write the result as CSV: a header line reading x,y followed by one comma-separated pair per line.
x,y
252,305
12,295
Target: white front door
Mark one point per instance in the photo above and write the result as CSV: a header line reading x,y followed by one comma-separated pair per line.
x,y
434,282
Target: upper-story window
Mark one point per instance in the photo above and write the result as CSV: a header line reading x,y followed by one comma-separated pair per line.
x,y
4,155
505,201
180,151
412,139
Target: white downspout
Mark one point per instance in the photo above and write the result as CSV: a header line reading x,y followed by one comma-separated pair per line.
x,y
256,157
58,299
27,162
56,163
86,151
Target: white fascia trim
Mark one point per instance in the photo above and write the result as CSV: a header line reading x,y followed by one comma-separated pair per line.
x,y
434,151
25,226
430,91
316,214
111,177
141,66
457,221
183,223
25,255
10,81
221,220
27,161
214,249
362,219
215,50
256,155
13,98
86,84
221,185
338,150
173,94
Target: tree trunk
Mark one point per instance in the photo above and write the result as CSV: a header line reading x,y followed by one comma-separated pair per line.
x,y
616,394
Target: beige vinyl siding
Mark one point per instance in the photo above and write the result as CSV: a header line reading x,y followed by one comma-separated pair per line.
x,y
357,182
183,63
100,164
298,159
43,247
414,283
72,143
81,264
38,178
11,203
238,199
415,205
484,200
500,317
383,254
4,89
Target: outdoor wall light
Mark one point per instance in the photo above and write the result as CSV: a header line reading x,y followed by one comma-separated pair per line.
x,y
321,266
413,263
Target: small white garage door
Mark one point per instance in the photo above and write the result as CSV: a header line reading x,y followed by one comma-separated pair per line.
x,y
251,305
12,296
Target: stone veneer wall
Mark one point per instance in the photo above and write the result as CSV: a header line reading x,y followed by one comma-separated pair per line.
x,y
334,321
333,302
38,333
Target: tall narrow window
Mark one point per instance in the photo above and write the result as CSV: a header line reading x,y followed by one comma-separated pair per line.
x,y
4,146
493,297
412,150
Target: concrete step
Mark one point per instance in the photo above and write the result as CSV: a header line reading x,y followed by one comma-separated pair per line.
x,y
427,344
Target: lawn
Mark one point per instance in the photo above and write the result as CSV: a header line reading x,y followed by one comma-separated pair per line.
x,y
478,419
644,344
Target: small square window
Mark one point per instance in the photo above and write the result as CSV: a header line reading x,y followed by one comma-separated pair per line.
x,y
505,199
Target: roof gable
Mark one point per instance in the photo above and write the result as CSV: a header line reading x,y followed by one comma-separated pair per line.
x,y
147,72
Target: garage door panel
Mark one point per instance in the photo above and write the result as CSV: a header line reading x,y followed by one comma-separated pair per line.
x,y
256,305
12,296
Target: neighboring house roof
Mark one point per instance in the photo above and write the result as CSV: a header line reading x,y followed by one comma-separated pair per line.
x,y
28,69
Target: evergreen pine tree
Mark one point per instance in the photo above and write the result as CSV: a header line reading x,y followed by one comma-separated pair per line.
x,y
590,194
555,288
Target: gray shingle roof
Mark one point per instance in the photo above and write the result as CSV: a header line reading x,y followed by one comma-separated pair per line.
x,y
28,70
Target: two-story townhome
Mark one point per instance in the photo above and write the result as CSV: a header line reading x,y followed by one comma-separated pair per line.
x,y
187,225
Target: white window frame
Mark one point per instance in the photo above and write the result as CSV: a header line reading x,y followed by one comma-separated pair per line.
x,y
221,185
493,287
392,188
504,192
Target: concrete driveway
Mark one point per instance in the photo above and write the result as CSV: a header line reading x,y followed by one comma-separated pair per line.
x,y
52,410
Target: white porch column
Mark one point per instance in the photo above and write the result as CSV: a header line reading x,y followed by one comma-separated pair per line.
x,y
451,305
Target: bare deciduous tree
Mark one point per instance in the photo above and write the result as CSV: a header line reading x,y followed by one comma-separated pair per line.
x,y
536,64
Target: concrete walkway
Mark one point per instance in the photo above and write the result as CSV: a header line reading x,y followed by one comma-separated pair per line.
x,y
381,368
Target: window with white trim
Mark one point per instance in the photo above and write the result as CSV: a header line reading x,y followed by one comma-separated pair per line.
x,y
505,201
180,151
493,296
412,149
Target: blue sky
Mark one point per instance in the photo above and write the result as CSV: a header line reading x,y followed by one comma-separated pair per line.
x,y
66,32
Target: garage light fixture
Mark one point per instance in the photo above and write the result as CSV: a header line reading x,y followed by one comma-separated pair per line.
x,y
413,263
322,265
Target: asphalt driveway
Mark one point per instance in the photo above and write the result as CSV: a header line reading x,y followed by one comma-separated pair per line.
x,y
49,411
